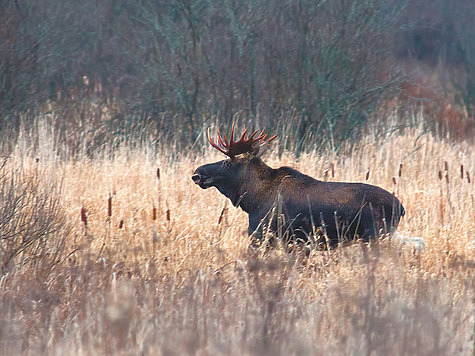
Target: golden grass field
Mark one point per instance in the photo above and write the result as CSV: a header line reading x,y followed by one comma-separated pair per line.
x,y
187,282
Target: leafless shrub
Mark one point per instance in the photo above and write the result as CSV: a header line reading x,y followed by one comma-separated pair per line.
x,y
30,213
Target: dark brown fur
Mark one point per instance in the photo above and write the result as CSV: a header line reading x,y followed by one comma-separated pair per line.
x,y
309,208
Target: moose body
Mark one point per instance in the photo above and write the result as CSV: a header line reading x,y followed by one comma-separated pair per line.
x,y
297,206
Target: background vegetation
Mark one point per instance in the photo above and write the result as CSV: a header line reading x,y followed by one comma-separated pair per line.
x,y
107,247
176,65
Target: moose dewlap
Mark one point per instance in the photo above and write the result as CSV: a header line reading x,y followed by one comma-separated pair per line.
x,y
292,204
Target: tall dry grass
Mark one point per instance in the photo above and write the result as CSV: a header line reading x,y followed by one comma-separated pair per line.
x,y
154,265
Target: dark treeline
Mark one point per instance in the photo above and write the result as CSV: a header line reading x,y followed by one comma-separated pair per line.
x,y
326,66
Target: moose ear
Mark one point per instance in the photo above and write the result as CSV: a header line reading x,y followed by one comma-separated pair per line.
x,y
260,149
256,149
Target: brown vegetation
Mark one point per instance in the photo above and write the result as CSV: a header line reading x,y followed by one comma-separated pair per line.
x,y
173,65
149,268
106,247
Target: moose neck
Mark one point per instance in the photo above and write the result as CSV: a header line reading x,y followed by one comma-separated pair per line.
x,y
256,186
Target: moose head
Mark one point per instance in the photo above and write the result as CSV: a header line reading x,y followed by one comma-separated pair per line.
x,y
227,175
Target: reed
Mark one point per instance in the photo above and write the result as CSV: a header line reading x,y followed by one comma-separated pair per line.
x,y
198,287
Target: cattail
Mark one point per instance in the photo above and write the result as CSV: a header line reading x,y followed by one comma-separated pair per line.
x,y
84,216
400,170
440,175
332,167
367,173
461,171
168,215
154,213
446,165
447,177
325,174
394,181
109,206
121,224
158,173
468,177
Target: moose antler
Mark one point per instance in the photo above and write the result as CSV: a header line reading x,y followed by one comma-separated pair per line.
x,y
233,148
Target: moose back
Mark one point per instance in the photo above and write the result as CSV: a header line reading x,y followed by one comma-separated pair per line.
x,y
292,204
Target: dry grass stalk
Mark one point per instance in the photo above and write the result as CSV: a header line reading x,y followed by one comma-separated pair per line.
x,y
159,191
203,290
222,216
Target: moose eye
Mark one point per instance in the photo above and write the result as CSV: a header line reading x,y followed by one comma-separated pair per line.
x,y
227,163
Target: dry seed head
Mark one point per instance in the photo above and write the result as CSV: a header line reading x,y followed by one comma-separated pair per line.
x,y
447,177
158,173
109,206
400,170
461,171
394,181
84,216
332,167
468,176
367,173
121,224
154,213
440,175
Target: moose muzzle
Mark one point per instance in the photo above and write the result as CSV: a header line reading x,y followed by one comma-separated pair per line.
x,y
196,178
203,181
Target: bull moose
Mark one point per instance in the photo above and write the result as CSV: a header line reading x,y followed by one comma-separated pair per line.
x,y
289,203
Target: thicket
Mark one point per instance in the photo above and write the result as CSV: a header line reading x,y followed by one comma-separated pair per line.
x,y
317,66
30,214
440,33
